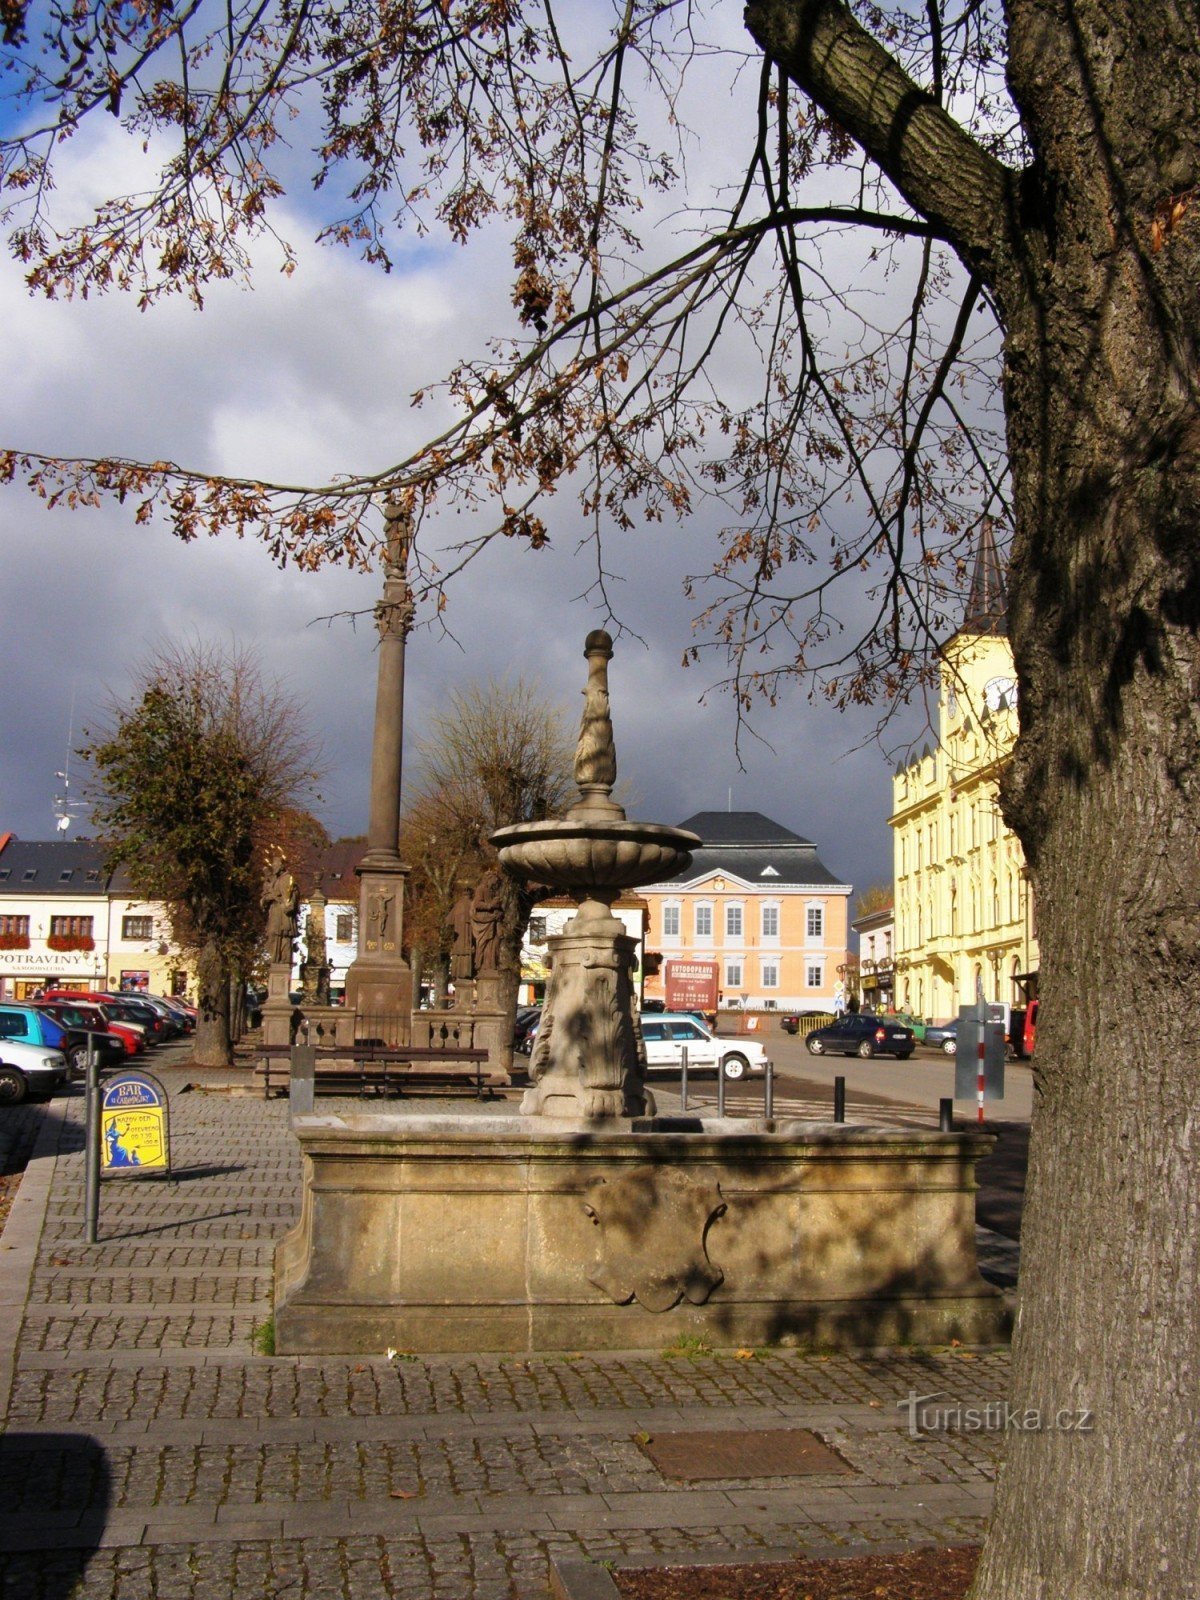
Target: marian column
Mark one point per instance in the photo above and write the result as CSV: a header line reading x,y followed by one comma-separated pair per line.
x,y
379,981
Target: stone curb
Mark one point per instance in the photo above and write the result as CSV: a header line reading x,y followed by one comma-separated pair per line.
x,y
21,1240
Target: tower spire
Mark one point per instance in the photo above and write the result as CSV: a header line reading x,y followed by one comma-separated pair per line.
x,y
987,601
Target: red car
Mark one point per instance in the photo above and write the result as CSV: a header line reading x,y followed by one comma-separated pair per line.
x,y
75,1012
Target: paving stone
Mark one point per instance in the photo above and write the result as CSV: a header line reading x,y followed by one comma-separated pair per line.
x,y
152,1452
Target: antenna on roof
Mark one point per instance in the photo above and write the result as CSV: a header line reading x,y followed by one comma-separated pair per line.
x,y
66,809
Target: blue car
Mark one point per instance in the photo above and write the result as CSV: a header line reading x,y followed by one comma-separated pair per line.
x,y
943,1036
32,1025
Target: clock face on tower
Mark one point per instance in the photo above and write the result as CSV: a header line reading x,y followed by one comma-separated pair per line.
x,y
1000,694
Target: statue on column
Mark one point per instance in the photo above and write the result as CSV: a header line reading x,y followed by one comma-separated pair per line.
x,y
462,961
281,901
487,916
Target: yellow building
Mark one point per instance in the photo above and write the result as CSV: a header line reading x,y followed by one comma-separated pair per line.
x,y
963,903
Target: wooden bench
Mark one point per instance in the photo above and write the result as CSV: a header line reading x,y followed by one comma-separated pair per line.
x,y
374,1066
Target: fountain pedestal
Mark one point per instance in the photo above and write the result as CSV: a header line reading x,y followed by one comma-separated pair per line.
x,y
589,1061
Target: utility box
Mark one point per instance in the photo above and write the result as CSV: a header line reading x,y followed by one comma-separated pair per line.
x,y
966,1060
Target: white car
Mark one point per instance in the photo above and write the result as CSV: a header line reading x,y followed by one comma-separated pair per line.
x,y
29,1071
669,1033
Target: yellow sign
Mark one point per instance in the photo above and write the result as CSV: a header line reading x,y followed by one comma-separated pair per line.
x,y
134,1133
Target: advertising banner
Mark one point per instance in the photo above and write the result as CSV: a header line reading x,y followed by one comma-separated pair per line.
x,y
134,1126
691,985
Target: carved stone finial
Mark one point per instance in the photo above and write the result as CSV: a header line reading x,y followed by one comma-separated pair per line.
x,y
596,754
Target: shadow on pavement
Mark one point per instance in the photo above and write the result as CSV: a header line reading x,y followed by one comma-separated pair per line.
x,y
55,1490
1001,1176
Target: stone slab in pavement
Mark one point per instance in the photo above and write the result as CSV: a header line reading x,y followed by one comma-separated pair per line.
x,y
151,1450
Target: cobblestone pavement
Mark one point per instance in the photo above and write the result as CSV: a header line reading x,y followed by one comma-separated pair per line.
x,y
152,1453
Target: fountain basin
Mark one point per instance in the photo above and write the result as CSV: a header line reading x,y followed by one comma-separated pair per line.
x,y
590,854
503,1233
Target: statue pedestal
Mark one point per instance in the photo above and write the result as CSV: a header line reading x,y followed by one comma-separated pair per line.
x,y
379,985
589,1061
278,1012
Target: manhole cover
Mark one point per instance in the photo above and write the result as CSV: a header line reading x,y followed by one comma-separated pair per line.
x,y
778,1453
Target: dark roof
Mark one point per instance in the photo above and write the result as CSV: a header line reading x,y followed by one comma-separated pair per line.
x,y
749,846
334,868
743,829
987,602
58,866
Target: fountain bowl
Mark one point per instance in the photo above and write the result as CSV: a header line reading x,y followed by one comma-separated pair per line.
x,y
593,854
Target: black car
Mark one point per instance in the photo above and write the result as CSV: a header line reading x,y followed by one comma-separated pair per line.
x,y
859,1034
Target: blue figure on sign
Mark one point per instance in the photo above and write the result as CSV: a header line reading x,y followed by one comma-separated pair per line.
x,y
118,1156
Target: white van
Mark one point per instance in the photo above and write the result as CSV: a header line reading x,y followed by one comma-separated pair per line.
x,y
669,1033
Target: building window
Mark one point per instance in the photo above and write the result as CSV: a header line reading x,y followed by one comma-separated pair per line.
x,y
770,974
343,927
733,922
733,974
670,922
814,925
14,933
814,975
71,933
704,922
770,922
137,927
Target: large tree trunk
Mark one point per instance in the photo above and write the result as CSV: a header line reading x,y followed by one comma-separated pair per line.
x,y
1104,586
1094,258
213,1046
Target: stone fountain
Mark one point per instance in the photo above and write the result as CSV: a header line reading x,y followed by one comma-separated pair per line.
x,y
588,1222
589,1062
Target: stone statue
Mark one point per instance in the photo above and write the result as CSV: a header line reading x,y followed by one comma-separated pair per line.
x,y
398,531
380,909
281,900
487,913
462,964
314,931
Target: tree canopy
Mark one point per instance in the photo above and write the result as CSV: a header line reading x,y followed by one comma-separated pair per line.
x,y
197,778
691,327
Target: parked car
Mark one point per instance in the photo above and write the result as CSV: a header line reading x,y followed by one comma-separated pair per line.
x,y
943,1036
668,1033
861,1034
29,1072
806,1021
525,1028
95,1018
31,1024
123,1009
907,1020
82,1022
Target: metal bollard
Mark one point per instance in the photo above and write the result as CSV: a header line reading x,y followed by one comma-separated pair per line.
x,y
839,1099
720,1087
683,1064
945,1116
769,1092
91,1160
